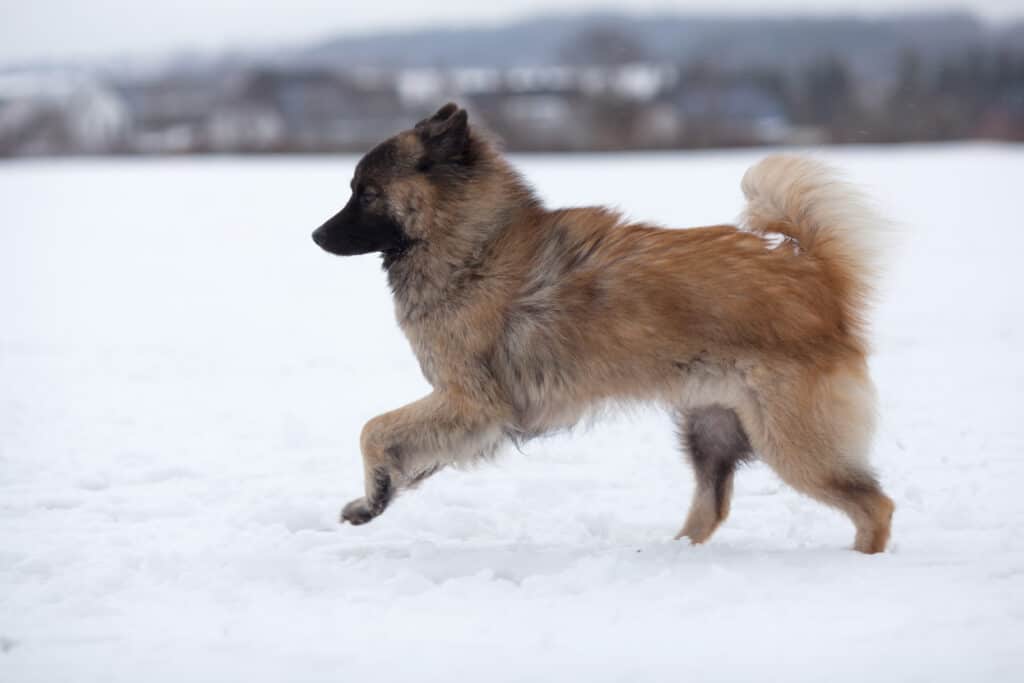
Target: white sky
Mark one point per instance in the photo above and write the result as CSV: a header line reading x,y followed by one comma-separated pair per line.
x,y
58,29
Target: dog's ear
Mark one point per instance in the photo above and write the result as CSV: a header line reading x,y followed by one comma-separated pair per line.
x,y
445,135
440,115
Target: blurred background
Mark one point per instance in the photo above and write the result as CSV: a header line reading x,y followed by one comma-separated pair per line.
x,y
184,374
110,77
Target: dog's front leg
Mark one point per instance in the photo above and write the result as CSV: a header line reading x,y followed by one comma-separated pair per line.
x,y
404,446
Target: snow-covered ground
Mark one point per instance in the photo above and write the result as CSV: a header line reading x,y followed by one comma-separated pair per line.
x,y
183,377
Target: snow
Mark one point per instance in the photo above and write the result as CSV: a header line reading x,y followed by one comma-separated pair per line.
x,y
183,377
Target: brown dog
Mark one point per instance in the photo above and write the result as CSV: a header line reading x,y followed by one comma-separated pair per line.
x,y
523,319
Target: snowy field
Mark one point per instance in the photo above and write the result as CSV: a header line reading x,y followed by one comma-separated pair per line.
x,y
183,377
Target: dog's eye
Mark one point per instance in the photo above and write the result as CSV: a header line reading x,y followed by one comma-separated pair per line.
x,y
367,196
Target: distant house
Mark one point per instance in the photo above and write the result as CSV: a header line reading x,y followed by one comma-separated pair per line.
x,y
730,112
316,109
58,113
168,113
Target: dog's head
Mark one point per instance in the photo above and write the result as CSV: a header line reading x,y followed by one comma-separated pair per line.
x,y
404,186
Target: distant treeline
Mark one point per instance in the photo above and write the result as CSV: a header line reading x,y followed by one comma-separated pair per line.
x,y
605,90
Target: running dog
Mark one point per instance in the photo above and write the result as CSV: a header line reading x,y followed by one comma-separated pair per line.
x,y
525,318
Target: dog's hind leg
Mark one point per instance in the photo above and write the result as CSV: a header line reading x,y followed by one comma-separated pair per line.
x,y
824,474
821,474
715,444
405,446
817,434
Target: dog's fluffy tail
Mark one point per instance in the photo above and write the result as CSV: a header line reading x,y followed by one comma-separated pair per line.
x,y
828,218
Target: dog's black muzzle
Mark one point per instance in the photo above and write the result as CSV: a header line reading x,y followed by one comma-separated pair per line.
x,y
354,230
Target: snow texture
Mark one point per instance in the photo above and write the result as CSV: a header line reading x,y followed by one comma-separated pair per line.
x,y
183,378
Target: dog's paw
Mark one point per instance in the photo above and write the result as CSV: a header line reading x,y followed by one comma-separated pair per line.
x,y
357,512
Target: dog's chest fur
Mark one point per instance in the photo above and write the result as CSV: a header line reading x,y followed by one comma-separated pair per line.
x,y
449,318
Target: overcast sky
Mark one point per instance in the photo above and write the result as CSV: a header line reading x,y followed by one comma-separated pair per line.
x,y
59,29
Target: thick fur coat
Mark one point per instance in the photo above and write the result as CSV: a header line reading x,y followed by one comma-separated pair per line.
x,y
524,319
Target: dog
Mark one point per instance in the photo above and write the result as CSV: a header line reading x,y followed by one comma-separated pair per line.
x,y
524,319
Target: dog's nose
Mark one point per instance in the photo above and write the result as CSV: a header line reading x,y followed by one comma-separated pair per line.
x,y
318,237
